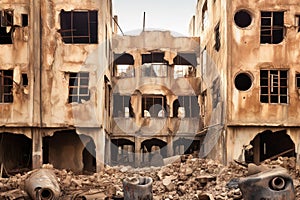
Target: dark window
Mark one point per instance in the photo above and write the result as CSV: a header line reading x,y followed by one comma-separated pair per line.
x,y
154,57
273,86
121,106
154,106
24,80
6,19
242,18
24,20
6,86
298,23
205,19
217,38
124,65
79,87
272,29
298,80
79,26
243,81
189,106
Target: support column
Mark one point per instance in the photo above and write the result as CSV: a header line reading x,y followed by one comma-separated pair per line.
x,y
100,149
37,148
170,151
137,151
108,150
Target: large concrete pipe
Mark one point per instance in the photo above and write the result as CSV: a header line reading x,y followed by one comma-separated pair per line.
x,y
42,185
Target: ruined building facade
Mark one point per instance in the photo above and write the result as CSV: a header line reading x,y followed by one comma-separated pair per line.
x,y
155,86
250,76
53,81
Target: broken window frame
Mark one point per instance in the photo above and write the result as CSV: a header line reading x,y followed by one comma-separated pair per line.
x,y
78,87
269,26
121,106
274,86
185,65
6,86
124,66
68,28
147,103
190,106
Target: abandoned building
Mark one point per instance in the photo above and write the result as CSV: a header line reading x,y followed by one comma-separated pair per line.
x,y
250,75
53,82
155,86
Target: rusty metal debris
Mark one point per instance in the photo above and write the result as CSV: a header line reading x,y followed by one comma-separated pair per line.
x,y
138,188
42,185
273,184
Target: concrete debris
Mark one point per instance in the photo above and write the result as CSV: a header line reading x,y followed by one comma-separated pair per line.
x,y
188,178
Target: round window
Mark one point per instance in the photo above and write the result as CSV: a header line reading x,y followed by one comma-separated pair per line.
x,y
243,81
242,18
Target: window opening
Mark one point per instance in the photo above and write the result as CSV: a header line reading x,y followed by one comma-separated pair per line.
x,y
79,26
24,20
184,65
273,86
272,27
6,19
298,80
298,23
122,106
79,87
205,19
242,18
154,106
243,81
6,86
217,38
24,80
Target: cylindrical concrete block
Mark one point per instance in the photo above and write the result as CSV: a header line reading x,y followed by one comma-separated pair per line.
x,y
138,188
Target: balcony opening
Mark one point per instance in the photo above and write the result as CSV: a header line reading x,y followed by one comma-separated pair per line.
x,y
123,65
122,106
154,150
154,65
154,106
186,146
122,152
243,81
67,150
79,27
242,18
6,30
186,107
272,27
185,65
15,153
269,145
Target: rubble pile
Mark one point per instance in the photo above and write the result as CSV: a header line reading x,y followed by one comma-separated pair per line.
x,y
192,179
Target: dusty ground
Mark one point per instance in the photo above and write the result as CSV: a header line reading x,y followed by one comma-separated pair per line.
x,y
193,179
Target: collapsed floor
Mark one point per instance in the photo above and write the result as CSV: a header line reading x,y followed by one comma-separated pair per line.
x,y
190,178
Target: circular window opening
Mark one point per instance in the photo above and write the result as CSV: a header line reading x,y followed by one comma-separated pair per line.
x,y
243,82
242,18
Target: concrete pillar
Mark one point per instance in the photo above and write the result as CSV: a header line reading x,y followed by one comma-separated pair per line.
x,y
100,150
256,151
170,151
137,151
107,150
37,148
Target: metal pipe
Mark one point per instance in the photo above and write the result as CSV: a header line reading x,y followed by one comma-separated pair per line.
x,y
277,183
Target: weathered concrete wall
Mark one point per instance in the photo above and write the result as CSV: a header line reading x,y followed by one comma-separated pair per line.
x,y
248,55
